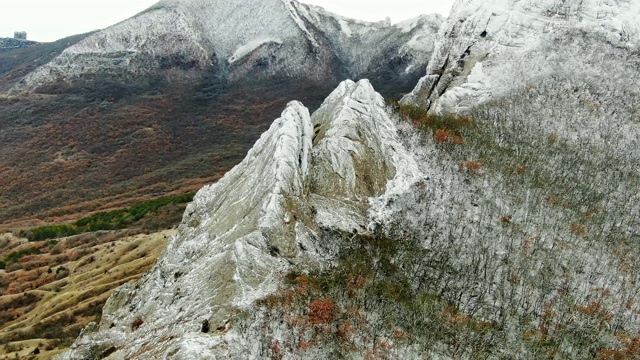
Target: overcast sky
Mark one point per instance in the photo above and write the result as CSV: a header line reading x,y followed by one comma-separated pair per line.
x,y
49,20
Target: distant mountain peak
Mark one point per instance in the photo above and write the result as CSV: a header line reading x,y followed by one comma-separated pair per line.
x,y
243,40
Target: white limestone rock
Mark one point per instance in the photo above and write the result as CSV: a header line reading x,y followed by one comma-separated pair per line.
x,y
276,37
241,234
486,49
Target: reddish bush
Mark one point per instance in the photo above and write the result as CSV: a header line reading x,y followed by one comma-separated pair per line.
x,y
630,349
578,229
136,324
442,135
321,311
303,283
345,331
471,166
595,309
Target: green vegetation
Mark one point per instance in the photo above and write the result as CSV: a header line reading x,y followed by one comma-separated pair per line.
x,y
445,128
374,275
109,220
16,255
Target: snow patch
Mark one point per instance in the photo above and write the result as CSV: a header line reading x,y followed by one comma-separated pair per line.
x,y
344,26
298,20
409,24
250,47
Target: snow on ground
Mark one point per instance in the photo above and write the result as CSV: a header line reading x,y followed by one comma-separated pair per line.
x,y
249,47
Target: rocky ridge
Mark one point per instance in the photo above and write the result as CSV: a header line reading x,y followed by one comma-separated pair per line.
x,y
242,41
243,233
526,225
488,48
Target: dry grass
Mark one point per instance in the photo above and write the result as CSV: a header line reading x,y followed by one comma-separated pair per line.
x,y
49,308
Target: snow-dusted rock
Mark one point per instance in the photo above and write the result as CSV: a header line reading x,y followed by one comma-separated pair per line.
x,y
486,49
240,235
244,39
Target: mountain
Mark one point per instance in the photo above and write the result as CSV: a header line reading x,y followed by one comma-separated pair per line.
x,y
489,48
148,106
18,61
502,224
305,175
241,41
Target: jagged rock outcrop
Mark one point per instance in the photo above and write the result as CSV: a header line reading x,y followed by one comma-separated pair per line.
x,y
487,49
240,235
245,40
181,85
520,235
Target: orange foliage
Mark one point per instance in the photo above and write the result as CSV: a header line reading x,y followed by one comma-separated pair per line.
x,y
357,282
442,135
578,229
595,309
630,349
275,350
398,334
321,311
472,166
345,331
289,297
303,283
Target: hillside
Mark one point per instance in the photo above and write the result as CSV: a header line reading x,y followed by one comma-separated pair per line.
x,y
16,62
492,213
50,296
144,108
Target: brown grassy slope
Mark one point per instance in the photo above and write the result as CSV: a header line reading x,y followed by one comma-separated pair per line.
x,y
64,155
47,309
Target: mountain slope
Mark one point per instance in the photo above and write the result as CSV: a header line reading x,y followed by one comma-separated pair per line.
x,y
507,230
153,104
305,175
241,40
15,63
545,225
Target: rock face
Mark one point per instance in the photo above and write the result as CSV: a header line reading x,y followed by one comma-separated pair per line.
x,y
245,40
526,226
240,235
488,48
207,77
